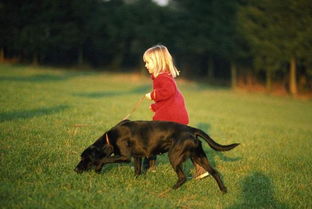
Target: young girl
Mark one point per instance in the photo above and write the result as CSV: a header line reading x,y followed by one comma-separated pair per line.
x,y
169,102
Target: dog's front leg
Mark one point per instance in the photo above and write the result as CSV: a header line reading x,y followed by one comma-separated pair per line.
x,y
137,166
113,159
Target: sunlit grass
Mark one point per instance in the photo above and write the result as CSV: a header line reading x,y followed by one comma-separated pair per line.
x,y
40,144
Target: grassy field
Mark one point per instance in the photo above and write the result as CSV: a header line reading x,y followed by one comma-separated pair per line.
x,y
40,144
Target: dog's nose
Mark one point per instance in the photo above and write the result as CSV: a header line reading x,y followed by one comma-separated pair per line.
x,y
77,170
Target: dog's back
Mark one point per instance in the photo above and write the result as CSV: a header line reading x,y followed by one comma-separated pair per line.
x,y
152,131
148,137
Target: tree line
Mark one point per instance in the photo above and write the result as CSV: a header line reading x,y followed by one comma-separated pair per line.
x,y
232,40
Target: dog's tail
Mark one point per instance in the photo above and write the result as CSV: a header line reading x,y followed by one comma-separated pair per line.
x,y
214,145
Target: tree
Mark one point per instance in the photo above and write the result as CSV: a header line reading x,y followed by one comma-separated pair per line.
x,y
275,29
209,33
255,23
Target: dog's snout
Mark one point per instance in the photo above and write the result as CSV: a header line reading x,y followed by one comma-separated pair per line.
x,y
77,170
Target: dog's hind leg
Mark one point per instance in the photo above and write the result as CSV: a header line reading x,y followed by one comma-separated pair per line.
x,y
199,157
181,177
176,160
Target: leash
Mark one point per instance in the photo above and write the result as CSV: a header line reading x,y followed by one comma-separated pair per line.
x,y
132,111
76,126
135,107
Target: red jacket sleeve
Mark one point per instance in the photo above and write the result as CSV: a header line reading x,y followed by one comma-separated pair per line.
x,y
164,88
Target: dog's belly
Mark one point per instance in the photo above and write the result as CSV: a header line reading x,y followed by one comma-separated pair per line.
x,y
159,149
149,151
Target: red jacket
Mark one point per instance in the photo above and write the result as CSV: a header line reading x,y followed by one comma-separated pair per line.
x,y
169,102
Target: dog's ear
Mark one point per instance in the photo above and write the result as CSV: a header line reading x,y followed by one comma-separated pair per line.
x,y
108,149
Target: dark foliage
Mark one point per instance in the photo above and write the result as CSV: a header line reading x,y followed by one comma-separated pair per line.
x,y
208,38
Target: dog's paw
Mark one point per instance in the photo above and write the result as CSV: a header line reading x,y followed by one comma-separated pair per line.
x,y
137,176
179,183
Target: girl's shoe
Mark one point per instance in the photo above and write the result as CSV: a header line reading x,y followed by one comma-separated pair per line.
x,y
200,172
201,176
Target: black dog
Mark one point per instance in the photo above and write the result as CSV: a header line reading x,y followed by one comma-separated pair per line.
x,y
139,139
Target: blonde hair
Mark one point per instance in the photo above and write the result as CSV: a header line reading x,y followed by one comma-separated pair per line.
x,y
161,59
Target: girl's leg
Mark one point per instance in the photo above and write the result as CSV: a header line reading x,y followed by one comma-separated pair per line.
x,y
200,172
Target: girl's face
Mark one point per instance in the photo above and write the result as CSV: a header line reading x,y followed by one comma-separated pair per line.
x,y
149,65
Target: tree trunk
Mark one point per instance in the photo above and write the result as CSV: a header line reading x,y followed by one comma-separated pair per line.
x,y
233,76
268,78
35,60
293,77
1,55
249,79
117,61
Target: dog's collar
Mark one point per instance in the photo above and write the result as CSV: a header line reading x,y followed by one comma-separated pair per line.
x,y
107,139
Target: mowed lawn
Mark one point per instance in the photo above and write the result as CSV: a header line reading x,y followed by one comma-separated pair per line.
x,y
48,116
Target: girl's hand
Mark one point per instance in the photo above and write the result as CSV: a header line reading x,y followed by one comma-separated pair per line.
x,y
148,96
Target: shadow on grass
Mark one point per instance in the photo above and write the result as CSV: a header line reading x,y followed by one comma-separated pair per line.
x,y
9,116
204,86
110,166
43,77
212,154
138,90
257,192
203,126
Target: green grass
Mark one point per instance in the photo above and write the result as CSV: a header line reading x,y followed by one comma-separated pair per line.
x,y
40,145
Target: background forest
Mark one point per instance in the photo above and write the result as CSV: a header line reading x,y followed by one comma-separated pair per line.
x,y
231,42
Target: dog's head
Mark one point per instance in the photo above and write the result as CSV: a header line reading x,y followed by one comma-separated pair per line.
x,y
90,156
